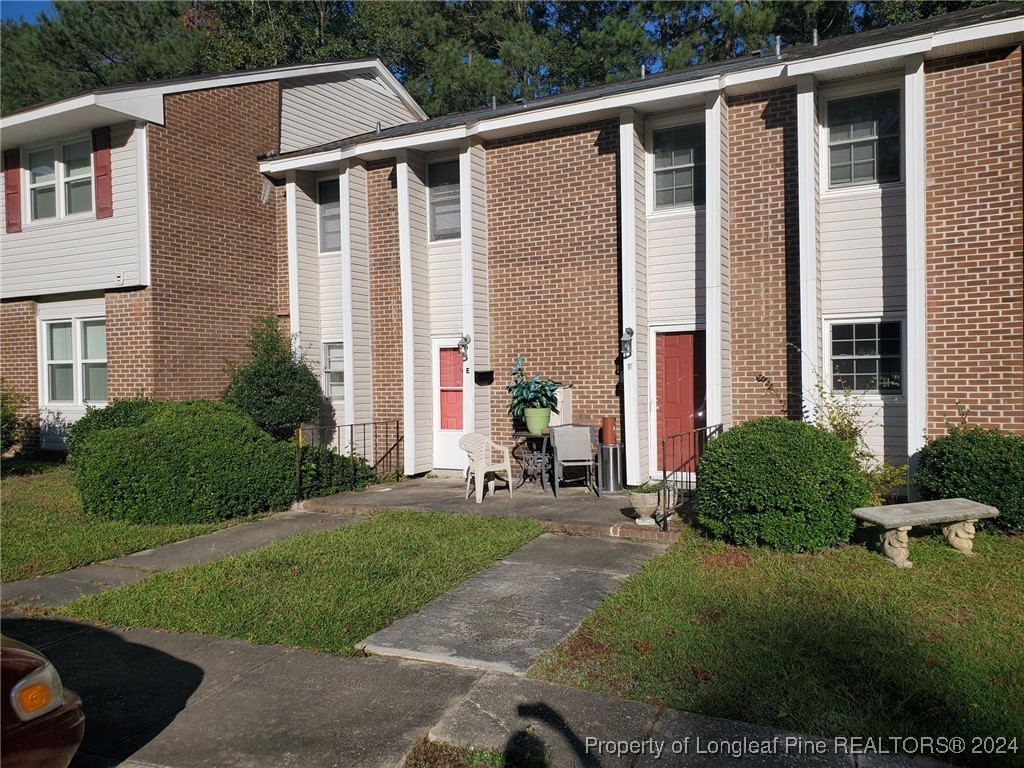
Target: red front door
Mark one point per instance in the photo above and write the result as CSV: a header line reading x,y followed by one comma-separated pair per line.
x,y
680,374
451,388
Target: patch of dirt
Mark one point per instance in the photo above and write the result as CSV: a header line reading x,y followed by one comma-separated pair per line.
x,y
727,558
711,616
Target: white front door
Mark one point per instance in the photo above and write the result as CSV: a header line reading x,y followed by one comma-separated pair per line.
x,y
449,379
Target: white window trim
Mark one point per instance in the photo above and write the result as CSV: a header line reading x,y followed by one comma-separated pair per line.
x,y
693,116
850,90
435,159
326,371
59,181
78,363
866,397
341,224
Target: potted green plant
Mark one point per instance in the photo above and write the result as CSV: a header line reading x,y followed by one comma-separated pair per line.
x,y
533,398
645,500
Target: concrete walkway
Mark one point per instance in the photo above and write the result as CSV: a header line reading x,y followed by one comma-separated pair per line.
x,y
503,617
161,699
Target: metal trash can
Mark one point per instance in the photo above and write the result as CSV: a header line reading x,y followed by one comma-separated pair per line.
x,y
613,461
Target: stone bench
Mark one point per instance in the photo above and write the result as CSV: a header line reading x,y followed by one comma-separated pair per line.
x,y
957,517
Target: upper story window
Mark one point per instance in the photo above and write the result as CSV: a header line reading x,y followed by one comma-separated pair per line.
x,y
867,357
329,215
679,166
864,139
443,187
76,361
60,180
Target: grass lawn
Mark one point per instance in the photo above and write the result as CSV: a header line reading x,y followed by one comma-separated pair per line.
x,y
324,591
43,529
838,643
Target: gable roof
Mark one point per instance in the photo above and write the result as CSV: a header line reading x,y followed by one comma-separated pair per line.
x,y
144,101
933,36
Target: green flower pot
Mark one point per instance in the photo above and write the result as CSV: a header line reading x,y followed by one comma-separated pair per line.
x,y
537,419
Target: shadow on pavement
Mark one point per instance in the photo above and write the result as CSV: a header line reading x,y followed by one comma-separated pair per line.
x,y
130,692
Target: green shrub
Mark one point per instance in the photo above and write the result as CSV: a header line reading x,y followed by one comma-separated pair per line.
x,y
324,471
983,465
275,388
786,484
194,462
12,426
131,412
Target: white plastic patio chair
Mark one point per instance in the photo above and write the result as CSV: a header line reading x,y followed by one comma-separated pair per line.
x,y
481,453
575,445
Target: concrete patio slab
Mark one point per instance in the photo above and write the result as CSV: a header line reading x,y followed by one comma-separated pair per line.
x,y
503,617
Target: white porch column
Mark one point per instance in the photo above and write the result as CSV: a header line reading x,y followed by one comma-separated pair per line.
x,y
637,469
293,257
810,325
713,254
916,385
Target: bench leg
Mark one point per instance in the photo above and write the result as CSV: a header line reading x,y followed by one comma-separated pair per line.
x,y
896,548
961,536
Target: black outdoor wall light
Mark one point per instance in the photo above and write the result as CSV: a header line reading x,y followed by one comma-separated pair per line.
x,y
626,343
463,346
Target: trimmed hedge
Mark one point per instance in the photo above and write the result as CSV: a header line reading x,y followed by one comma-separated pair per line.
x,y
984,465
193,462
132,412
324,471
785,484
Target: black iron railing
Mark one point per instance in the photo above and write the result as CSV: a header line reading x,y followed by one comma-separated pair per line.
x,y
379,443
678,461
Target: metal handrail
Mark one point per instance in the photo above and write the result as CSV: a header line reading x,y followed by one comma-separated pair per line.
x,y
378,442
679,457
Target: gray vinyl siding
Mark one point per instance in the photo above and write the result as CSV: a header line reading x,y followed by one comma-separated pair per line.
x,y
422,373
640,339
82,254
323,108
362,385
862,236
309,270
675,257
445,257
481,313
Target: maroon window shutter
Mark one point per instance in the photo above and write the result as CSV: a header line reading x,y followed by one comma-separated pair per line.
x,y
101,173
12,189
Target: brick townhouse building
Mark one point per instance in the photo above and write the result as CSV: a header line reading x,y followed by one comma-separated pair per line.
x,y
847,216
141,239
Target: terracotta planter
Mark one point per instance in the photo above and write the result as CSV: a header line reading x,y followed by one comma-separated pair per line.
x,y
645,505
537,419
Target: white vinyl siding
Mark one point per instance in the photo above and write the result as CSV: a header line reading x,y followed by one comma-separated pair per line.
x,y
445,272
642,352
323,108
361,385
81,253
675,267
481,308
863,241
306,223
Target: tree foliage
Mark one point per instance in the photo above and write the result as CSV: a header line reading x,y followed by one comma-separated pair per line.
x,y
452,56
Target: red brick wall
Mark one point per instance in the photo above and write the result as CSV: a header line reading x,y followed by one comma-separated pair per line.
x,y
385,291
19,360
130,364
975,240
215,248
552,206
765,253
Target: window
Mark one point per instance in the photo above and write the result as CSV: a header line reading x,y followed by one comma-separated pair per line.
x,y
679,166
864,139
60,180
867,357
443,183
334,370
76,361
329,215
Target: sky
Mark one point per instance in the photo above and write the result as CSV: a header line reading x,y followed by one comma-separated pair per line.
x,y
25,9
